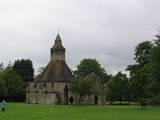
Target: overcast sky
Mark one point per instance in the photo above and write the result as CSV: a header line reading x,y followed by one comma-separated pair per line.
x,y
107,30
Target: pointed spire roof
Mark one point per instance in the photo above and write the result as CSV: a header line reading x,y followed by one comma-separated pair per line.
x,y
58,43
58,38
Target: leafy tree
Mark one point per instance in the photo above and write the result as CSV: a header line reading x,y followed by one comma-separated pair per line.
x,y
143,53
140,72
24,68
157,40
118,88
99,87
1,67
3,90
82,87
90,77
155,71
88,66
11,85
140,83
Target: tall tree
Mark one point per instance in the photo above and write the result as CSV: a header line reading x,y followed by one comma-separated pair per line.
x,y
90,77
88,66
3,89
1,67
11,85
155,71
143,52
24,68
118,88
139,83
139,73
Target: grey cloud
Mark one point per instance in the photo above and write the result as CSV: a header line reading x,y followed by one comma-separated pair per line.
x,y
107,30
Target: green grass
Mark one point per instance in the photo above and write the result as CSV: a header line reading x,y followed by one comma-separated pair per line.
x,y
21,111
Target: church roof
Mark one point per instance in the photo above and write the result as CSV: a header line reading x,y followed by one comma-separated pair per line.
x,y
56,71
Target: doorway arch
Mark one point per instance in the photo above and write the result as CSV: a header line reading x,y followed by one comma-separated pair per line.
x,y
96,100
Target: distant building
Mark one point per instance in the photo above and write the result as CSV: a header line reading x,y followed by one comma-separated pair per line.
x,y
52,86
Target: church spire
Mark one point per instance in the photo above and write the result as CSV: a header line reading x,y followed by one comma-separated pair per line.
x,y
58,41
58,38
58,51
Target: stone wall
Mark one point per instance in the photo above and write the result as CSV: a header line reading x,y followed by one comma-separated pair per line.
x,y
45,93
54,93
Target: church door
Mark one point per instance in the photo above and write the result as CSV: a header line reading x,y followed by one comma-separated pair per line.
x,y
66,95
95,99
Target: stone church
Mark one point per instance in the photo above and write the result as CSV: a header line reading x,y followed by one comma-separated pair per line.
x,y
52,86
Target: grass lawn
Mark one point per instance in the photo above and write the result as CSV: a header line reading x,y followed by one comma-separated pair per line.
x,y
21,111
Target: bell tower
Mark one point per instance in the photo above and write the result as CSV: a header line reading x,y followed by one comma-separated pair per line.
x,y
57,50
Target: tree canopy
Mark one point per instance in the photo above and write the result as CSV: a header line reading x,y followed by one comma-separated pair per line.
x,y
118,88
145,74
90,78
88,66
13,79
11,85
24,68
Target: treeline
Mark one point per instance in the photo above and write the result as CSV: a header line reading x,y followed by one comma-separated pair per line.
x,y
92,79
13,79
143,83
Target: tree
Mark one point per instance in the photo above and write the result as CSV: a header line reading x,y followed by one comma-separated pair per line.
x,y
143,52
82,87
155,71
1,67
118,88
99,88
3,90
11,85
140,72
90,78
25,69
139,83
88,66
